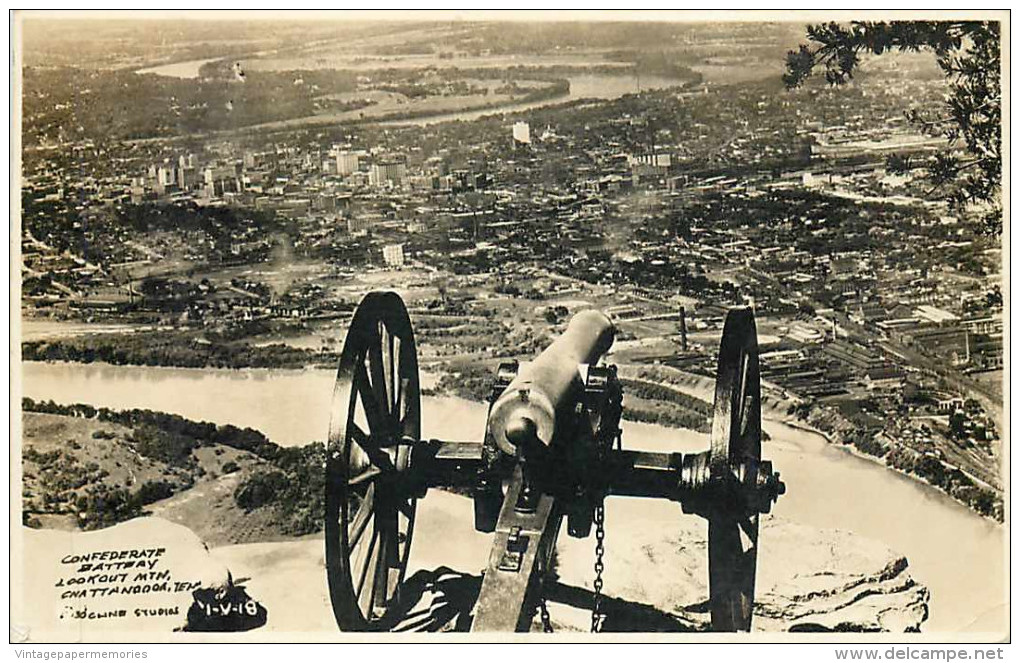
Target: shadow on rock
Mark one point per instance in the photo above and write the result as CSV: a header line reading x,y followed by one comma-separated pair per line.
x,y
433,601
442,600
622,616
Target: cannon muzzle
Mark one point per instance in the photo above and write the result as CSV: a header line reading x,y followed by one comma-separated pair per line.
x,y
525,413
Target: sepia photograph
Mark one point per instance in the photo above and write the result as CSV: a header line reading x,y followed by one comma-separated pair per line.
x,y
509,326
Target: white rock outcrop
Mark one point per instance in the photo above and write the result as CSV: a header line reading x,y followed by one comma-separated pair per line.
x,y
123,582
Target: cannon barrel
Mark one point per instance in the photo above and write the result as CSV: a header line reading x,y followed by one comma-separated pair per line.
x,y
526,411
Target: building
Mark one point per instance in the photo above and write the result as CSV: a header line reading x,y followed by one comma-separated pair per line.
x,y
806,335
951,342
884,378
347,162
219,180
548,135
186,177
391,171
650,166
662,160
214,174
393,255
357,224
166,176
935,315
522,133
991,325
854,355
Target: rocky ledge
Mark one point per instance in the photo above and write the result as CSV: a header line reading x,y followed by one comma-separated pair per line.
x,y
808,580
655,580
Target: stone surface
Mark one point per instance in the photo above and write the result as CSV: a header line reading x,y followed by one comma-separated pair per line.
x,y
655,578
289,578
807,580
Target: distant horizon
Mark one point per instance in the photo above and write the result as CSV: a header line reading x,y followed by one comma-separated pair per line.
x,y
396,15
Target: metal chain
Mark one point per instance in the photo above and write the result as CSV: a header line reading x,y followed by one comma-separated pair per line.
x,y
600,549
543,612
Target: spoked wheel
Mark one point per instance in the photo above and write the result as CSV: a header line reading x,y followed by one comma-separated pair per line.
x,y
736,441
375,416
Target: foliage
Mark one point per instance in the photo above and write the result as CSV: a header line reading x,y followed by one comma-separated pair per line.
x,y
682,410
68,486
469,380
290,482
968,54
184,349
166,446
105,505
152,427
294,489
260,490
70,102
153,491
556,314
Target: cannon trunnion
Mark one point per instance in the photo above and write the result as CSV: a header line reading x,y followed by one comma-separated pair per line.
x,y
552,451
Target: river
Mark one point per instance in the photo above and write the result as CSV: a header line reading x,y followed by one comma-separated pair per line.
x,y
958,555
582,86
188,69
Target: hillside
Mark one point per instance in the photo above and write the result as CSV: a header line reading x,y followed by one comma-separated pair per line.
x,y
88,469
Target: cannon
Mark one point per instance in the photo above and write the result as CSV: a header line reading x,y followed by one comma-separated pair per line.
x,y
552,451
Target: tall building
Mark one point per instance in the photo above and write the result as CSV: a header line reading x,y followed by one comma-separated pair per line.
x,y
186,177
347,162
219,180
166,175
651,165
390,171
393,255
522,133
216,173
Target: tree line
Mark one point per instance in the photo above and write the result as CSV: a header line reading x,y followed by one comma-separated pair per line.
x,y
182,349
